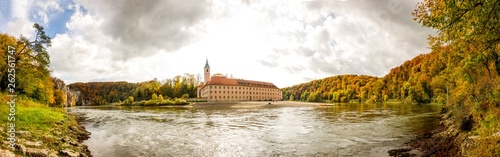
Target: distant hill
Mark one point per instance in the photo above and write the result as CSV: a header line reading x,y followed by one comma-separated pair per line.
x,y
415,80
101,93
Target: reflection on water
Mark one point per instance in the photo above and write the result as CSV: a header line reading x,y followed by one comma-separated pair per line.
x,y
345,130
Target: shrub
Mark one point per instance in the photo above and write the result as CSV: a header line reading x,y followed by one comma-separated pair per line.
x,y
178,101
129,101
166,102
138,103
185,96
150,103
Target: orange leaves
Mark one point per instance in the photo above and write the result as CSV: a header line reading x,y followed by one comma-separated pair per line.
x,y
337,88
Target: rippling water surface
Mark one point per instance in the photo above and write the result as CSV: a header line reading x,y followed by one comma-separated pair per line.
x,y
345,130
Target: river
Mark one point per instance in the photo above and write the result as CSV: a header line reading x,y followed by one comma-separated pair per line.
x,y
343,130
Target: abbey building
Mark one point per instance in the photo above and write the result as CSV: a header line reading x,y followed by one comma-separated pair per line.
x,y
220,88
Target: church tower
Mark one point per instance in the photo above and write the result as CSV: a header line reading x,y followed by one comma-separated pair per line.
x,y
207,72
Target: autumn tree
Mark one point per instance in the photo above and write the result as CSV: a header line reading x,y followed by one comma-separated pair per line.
x,y
470,30
60,98
32,62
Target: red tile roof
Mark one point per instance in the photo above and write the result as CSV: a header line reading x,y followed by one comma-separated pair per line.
x,y
222,80
201,85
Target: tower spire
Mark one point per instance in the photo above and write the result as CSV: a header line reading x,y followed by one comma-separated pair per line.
x,y
206,71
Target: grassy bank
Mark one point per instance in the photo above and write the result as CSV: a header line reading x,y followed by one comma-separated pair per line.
x,y
41,130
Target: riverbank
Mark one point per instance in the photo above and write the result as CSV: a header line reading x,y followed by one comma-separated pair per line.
x,y
448,139
445,140
40,131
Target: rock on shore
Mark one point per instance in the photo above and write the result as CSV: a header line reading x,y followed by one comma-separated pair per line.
x,y
65,140
447,139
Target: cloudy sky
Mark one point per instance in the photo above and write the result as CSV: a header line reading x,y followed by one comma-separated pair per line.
x,y
285,42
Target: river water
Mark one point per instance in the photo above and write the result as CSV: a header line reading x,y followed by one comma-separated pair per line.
x,y
344,130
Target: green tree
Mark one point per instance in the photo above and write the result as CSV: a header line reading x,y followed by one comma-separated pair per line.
x,y
185,96
304,96
154,97
130,99
160,97
314,97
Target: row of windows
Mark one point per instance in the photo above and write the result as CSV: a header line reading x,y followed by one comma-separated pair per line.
x,y
241,92
254,84
244,88
240,97
206,91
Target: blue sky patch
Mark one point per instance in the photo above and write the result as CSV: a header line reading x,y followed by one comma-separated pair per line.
x,y
5,12
57,22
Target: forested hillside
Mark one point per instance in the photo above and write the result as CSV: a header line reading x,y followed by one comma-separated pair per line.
x,y
419,79
461,72
414,81
343,88
100,93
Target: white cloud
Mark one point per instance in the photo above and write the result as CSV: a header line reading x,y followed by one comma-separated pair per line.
x,y
110,41
19,23
358,37
143,28
43,10
25,13
284,42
